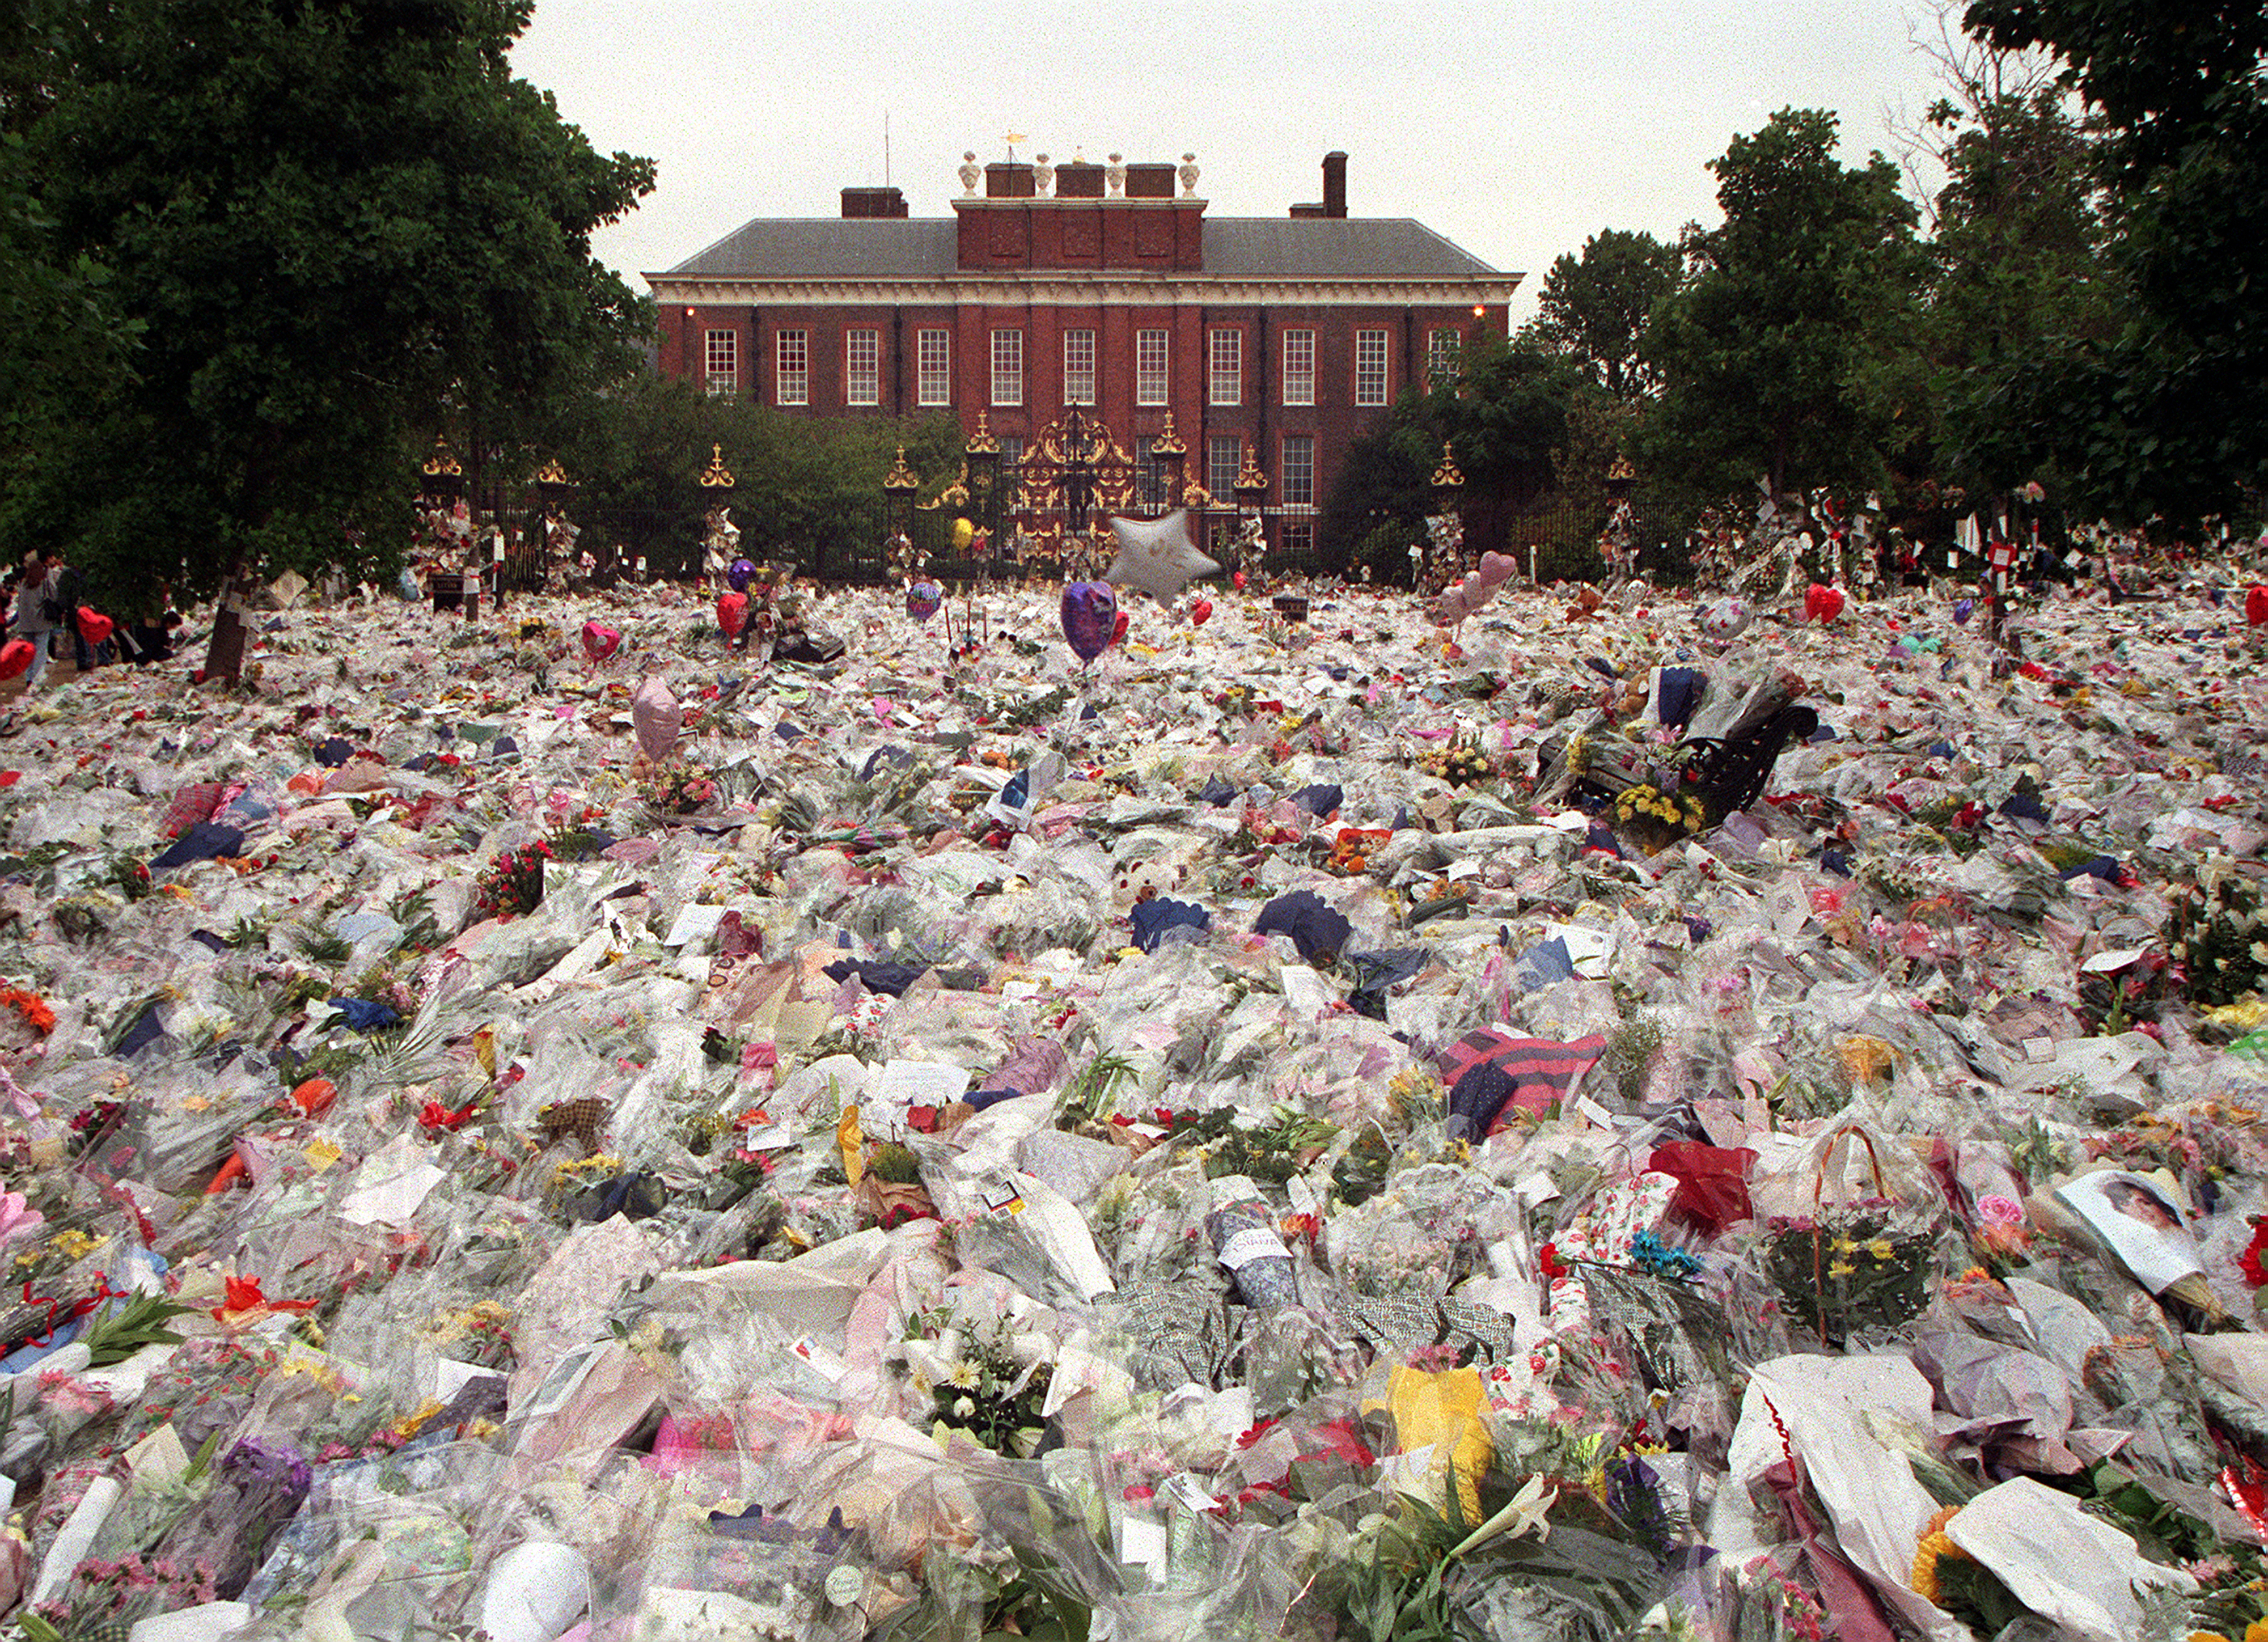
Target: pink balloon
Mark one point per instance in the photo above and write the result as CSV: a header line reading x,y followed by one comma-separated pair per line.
x,y
599,643
1449,608
1496,569
656,719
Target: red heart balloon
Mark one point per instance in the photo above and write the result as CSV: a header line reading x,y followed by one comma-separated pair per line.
x,y
1822,603
1238,579
1118,630
732,613
2255,606
1200,612
94,629
599,643
15,658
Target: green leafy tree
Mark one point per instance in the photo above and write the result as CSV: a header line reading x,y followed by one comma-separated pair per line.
x,y
340,225
2170,415
1762,351
1595,308
1502,415
2017,276
806,491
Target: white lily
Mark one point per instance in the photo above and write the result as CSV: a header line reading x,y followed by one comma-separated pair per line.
x,y
1524,1511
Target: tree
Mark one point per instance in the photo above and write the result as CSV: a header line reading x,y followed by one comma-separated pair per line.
x,y
1503,414
341,226
1762,349
2170,415
1595,309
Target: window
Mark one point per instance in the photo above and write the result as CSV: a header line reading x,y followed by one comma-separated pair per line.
x,y
1150,374
1078,367
724,361
1297,539
1299,367
1224,455
934,357
793,384
1441,351
1370,367
862,367
1007,367
1226,381
1299,486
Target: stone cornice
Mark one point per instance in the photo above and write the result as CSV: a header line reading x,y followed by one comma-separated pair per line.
x,y
1055,289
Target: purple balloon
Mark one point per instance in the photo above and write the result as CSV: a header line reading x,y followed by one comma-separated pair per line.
x,y
1090,611
739,575
1963,609
922,600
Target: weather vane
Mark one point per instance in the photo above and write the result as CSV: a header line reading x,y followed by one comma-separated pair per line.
x,y
1012,139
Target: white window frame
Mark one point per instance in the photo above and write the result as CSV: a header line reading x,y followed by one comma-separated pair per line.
x,y
1296,486
1443,345
934,354
1008,367
1225,368
862,367
1078,367
791,367
1299,367
1154,375
1223,461
720,353
1370,367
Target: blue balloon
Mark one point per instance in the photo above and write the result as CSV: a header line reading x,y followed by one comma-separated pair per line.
x,y
922,600
1963,609
739,575
1090,611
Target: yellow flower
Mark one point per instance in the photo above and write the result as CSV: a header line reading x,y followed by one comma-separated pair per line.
x,y
1841,1268
1933,1548
1881,1249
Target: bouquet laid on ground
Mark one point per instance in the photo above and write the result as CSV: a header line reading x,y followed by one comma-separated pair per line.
x,y
683,789
974,1383
1460,762
513,886
2218,935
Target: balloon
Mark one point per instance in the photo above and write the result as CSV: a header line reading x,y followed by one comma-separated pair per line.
x,y
94,629
1449,608
599,643
739,575
2255,606
15,658
1725,620
1821,603
921,600
1118,629
963,534
1200,612
1156,556
733,612
1963,609
656,718
1496,569
1090,612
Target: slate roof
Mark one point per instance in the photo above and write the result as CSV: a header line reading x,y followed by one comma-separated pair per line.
x,y
1236,247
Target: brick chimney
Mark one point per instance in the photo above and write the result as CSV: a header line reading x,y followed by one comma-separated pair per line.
x,y
1335,183
874,203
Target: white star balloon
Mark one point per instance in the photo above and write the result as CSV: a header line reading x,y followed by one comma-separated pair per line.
x,y
1156,556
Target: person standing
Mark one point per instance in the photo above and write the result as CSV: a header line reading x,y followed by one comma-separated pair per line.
x,y
35,617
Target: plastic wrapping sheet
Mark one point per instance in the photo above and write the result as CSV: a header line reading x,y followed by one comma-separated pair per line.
x,y
724,1410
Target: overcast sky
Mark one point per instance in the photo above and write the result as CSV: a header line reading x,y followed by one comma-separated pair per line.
x,y
1516,131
